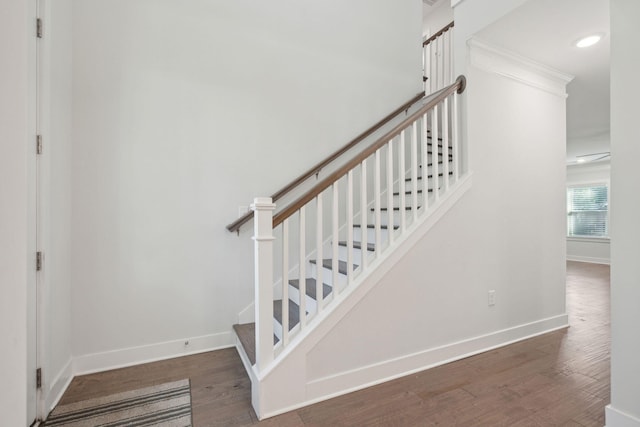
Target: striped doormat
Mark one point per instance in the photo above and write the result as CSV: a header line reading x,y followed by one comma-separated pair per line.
x,y
167,405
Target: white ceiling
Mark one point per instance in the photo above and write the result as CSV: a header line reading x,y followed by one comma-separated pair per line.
x,y
545,31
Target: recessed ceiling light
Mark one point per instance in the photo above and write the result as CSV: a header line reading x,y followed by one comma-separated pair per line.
x,y
581,160
589,40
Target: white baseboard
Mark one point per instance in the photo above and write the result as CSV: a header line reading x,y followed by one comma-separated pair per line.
x,y
58,386
617,418
98,362
367,376
592,260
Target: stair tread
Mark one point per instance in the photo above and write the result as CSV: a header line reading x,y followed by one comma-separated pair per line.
x,y
397,193
419,178
384,227
294,312
247,336
358,245
246,333
310,289
441,154
429,137
407,208
328,263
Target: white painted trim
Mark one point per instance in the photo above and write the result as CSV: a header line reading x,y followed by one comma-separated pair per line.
x,y
98,362
58,386
606,240
617,418
363,377
247,315
592,260
516,67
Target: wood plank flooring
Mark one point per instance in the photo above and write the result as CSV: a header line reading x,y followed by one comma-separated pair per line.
x,y
559,379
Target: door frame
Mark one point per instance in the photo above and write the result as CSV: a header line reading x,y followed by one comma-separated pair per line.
x,y
35,278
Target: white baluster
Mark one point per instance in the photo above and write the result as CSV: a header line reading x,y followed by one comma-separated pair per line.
x,y
285,282
425,161
429,68
450,55
302,268
414,169
456,142
335,264
445,60
434,152
402,174
440,43
436,47
350,226
263,253
319,255
434,65
425,69
445,144
390,227
363,213
376,191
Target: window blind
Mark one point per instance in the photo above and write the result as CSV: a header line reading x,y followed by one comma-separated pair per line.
x,y
588,211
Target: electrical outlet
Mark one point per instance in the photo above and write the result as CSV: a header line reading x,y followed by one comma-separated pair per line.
x,y
491,298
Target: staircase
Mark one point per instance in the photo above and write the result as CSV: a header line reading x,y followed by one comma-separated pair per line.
x,y
317,252
410,200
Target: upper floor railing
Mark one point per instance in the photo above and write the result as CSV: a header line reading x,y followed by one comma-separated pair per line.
x,y
437,59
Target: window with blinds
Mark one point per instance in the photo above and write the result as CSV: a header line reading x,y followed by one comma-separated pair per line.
x,y
588,211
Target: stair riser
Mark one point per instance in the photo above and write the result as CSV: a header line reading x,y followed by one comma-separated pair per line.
x,y
327,275
384,217
311,304
408,198
371,235
357,255
277,329
409,186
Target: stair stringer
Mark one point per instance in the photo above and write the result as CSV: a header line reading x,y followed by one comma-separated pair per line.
x,y
284,385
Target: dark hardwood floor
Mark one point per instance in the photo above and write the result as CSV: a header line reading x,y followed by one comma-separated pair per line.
x,y
559,379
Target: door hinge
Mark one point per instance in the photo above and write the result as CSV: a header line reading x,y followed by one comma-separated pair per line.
x,y
39,28
39,378
39,144
39,259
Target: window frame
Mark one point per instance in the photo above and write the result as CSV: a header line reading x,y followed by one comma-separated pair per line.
x,y
598,183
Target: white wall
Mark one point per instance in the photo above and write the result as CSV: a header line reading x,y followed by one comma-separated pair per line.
x,y
14,31
589,249
624,410
471,16
184,111
436,17
56,108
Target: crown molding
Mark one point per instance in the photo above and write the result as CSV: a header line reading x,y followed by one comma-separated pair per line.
x,y
516,67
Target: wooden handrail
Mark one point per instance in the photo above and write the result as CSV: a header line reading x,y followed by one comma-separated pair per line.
x,y
438,34
235,226
432,100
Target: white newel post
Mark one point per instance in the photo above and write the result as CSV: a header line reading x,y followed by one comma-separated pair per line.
x,y
263,258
